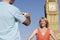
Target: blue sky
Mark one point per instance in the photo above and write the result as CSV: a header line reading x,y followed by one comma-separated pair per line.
x,y
36,10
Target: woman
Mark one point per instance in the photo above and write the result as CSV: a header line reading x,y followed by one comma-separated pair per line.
x,y
43,32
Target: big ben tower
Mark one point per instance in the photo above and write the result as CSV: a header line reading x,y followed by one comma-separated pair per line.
x,y
51,13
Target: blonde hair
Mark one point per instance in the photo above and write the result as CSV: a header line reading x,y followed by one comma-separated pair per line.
x,y
47,24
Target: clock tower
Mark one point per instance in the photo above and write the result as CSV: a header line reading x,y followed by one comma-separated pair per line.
x,y
51,13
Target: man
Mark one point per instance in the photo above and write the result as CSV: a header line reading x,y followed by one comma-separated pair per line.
x,y
9,15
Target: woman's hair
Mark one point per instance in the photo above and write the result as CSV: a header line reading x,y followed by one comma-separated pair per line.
x,y
45,21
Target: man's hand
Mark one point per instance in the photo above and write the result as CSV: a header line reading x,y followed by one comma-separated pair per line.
x,y
26,14
27,21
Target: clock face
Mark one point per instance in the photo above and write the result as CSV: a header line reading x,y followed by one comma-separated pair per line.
x,y
52,7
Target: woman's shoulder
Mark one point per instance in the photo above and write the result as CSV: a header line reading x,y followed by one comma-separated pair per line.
x,y
36,30
50,30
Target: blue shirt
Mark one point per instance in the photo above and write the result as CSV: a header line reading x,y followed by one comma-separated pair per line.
x,y
9,15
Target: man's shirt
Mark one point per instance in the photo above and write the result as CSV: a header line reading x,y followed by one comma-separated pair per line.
x,y
9,14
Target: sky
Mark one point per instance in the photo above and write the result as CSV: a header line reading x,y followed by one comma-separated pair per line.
x,y
36,11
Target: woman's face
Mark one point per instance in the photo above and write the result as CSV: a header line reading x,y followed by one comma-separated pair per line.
x,y
43,23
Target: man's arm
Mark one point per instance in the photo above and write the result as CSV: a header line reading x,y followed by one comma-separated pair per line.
x,y
27,21
21,16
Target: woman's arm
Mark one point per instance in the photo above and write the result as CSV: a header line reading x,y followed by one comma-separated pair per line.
x,y
32,35
52,35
